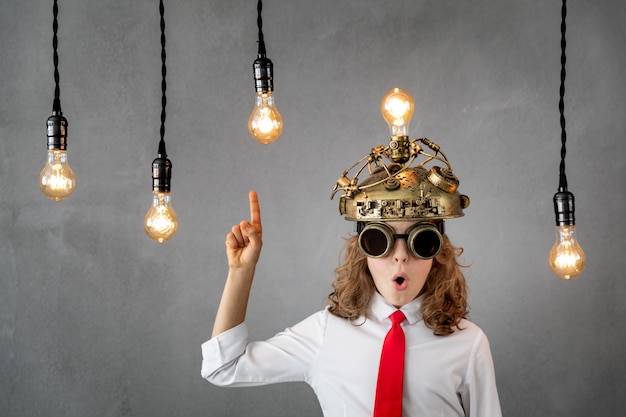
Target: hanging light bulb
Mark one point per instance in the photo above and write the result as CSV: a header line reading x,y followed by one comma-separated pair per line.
x,y
566,258
397,107
161,222
265,123
57,180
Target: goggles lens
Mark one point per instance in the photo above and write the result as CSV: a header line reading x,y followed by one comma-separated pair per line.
x,y
424,240
374,242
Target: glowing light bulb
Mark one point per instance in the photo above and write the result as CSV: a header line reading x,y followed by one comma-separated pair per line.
x,y
397,108
567,258
57,180
161,222
265,123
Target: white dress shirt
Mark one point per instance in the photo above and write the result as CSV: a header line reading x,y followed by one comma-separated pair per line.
x,y
444,375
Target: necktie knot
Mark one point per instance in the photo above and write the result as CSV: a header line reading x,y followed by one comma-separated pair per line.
x,y
397,317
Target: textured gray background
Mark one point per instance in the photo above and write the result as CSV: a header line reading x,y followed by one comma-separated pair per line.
x,y
98,320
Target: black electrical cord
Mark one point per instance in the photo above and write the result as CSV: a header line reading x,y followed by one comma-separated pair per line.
x,y
263,68
56,104
56,124
563,199
562,176
162,166
162,152
259,23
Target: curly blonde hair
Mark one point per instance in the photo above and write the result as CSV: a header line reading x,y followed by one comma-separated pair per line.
x,y
445,301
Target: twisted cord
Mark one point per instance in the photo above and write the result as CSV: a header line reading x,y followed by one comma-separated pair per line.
x,y
56,104
259,23
562,176
163,83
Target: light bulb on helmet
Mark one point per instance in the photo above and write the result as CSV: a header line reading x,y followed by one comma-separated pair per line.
x,y
566,258
397,107
57,180
265,123
161,222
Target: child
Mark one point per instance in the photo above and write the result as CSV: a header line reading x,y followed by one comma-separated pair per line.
x,y
400,260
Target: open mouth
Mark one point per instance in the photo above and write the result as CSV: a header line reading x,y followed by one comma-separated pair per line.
x,y
401,283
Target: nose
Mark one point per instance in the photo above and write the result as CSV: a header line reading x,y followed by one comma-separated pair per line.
x,y
400,251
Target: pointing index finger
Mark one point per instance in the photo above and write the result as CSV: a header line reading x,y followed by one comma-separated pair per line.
x,y
255,210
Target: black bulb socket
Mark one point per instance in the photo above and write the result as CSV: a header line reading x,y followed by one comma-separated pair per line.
x,y
263,74
564,208
161,174
57,131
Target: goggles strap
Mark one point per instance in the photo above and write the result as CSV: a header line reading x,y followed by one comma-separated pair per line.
x,y
440,226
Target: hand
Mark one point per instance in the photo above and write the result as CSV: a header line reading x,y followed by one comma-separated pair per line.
x,y
244,242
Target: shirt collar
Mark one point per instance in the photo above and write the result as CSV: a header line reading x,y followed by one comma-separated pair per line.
x,y
380,309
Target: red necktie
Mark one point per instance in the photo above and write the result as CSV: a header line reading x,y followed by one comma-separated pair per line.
x,y
391,371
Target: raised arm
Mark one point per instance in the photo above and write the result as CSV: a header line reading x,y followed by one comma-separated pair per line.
x,y
243,247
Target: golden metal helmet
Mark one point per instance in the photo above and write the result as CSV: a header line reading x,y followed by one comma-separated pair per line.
x,y
395,190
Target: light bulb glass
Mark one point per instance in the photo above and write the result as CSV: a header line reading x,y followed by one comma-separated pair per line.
x,y
397,108
57,180
567,258
161,222
265,123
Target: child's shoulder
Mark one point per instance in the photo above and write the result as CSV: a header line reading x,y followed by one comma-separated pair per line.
x,y
469,329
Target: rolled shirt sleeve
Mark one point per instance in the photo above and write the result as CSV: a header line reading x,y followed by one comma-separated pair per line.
x,y
230,359
223,349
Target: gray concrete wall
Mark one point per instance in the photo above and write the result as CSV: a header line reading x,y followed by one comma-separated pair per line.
x,y
98,320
